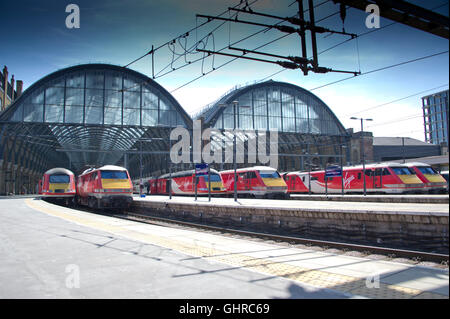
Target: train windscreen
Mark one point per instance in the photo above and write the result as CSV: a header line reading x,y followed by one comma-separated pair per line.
x,y
114,175
402,171
269,174
59,179
214,178
426,170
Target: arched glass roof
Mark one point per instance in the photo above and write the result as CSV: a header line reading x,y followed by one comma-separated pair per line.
x,y
94,114
273,106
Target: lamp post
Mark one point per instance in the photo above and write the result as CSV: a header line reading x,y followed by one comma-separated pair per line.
x,y
342,146
362,148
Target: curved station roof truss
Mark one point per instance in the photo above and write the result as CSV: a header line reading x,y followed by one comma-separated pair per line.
x,y
90,114
306,126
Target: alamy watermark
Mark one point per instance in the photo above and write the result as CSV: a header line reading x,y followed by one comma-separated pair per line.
x,y
373,19
73,19
219,147
73,277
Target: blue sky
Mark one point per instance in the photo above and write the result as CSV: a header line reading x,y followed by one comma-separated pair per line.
x,y
117,32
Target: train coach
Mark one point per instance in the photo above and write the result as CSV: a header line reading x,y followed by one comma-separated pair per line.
x,y
257,181
183,183
105,187
389,178
433,181
58,184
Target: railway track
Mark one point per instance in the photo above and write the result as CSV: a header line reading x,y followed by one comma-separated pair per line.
x,y
390,252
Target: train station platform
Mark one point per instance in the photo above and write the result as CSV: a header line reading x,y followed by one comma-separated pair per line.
x,y
400,198
42,245
310,205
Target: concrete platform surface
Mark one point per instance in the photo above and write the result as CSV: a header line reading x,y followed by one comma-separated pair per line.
x,y
322,206
45,257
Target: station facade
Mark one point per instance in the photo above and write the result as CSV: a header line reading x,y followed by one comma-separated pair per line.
x,y
97,114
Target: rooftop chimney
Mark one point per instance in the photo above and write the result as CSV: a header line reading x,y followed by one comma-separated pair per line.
x,y
12,88
19,87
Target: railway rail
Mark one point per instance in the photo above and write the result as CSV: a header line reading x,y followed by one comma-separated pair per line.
x,y
390,252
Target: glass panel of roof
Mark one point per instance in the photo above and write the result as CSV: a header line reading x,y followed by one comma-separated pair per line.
x,y
95,79
149,117
74,114
113,81
74,96
33,112
131,116
54,113
113,98
54,95
113,115
94,115
94,97
131,99
149,100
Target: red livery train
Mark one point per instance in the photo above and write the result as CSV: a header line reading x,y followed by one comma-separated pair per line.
x,y
183,183
58,184
389,178
433,181
107,186
257,181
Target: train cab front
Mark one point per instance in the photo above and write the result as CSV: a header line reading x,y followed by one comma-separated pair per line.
x,y
116,189
274,184
407,181
216,183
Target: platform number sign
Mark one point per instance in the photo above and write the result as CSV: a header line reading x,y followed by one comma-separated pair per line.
x,y
201,169
333,171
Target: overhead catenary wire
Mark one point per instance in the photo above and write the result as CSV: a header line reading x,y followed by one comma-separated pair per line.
x,y
381,69
397,100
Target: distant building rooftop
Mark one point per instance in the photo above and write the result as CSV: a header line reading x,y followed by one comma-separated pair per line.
x,y
397,141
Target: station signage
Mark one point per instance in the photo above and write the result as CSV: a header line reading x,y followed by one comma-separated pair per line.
x,y
333,171
201,169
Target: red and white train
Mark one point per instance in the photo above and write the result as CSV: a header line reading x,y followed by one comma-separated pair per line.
x,y
433,181
58,184
389,178
107,186
183,183
257,181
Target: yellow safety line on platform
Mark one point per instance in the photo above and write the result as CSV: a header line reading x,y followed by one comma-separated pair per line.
x,y
316,278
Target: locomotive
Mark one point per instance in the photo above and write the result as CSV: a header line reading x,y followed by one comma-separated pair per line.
x,y
183,183
389,178
105,187
58,184
256,181
433,181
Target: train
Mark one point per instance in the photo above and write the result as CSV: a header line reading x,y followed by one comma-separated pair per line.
x,y
58,184
256,181
106,187
433,181
387,178
183,183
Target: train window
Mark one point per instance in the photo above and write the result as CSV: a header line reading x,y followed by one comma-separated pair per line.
x,y
359,175
329,179
114,175
314,178
269,174
426,170
214,178
401,170
303,178
368,172
59,179
251,174
386,172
